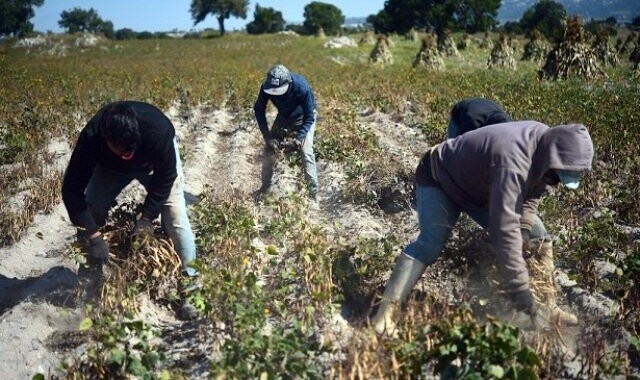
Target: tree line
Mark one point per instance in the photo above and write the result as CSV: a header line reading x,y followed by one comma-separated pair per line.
x,y
397,16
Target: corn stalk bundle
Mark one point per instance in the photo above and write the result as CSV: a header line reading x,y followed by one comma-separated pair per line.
x,y
381,52
501,56
446,45
536,49
367,38
320,32
428,56
464,42
603,49
514,43
486,42
626,46
572,56
412,35
635,59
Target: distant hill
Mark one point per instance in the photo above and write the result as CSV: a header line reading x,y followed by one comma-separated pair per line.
x,y
353,21
622,10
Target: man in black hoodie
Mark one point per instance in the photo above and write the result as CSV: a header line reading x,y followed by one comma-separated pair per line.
x,y
124,141
473,113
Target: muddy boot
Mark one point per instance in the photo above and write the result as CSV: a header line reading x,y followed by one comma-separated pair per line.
x,y
187,311
541,269
405,274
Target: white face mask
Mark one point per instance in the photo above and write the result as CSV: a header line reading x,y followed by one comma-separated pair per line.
x,y
569,178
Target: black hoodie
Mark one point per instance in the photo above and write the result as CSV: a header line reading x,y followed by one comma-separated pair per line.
x,y
155,153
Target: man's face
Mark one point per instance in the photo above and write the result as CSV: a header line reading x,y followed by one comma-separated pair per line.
x,y
120,152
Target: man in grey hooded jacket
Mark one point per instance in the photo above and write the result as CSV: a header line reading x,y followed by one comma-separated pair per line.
x,y
497,175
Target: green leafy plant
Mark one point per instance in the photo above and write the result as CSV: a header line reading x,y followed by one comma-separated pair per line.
x,y
466,349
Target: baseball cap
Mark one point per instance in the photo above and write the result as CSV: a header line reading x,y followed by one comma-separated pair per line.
x,y
277,82
569,178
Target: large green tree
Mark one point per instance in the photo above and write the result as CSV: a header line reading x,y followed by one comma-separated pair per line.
x,y
15,16
546,16
474,16
470,16
81,20
221,9
322,15
265,20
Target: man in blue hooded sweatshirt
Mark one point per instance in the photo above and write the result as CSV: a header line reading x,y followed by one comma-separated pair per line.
x,y
292,96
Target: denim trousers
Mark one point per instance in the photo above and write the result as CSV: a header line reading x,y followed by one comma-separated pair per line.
x,y
105,185
437,215
308,158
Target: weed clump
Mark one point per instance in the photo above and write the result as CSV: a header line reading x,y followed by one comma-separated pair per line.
x,y
572,56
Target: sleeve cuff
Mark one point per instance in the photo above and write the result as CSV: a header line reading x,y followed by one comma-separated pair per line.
x,y
86,223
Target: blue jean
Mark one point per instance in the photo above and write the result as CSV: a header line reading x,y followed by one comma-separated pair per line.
x,y
437,215
308,158
105,185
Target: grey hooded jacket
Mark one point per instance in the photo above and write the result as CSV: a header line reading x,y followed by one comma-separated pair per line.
x,y
500,168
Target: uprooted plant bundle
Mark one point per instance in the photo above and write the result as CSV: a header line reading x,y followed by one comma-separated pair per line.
x,y
573,56
501,56
141,264
428,56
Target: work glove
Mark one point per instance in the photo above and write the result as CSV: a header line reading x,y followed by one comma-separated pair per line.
x,y
523,301
143,227
273,144
98,248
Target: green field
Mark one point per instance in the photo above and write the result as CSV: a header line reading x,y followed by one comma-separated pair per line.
x,y
49,92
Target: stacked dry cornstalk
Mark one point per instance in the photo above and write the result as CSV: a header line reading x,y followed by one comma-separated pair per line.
x,y
572,56
635,59
464,42
537,48
486,42
446,45
603,49
381,53
367,38
428,56
501,56
412,35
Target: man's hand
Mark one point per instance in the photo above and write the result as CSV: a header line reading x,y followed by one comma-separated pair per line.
x,y
98,248
523,301
291,144
273,144
143,227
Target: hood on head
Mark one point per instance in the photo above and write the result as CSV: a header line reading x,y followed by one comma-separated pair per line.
x,y
566,147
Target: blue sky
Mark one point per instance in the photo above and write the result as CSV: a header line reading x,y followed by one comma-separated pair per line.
x,y
166,15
